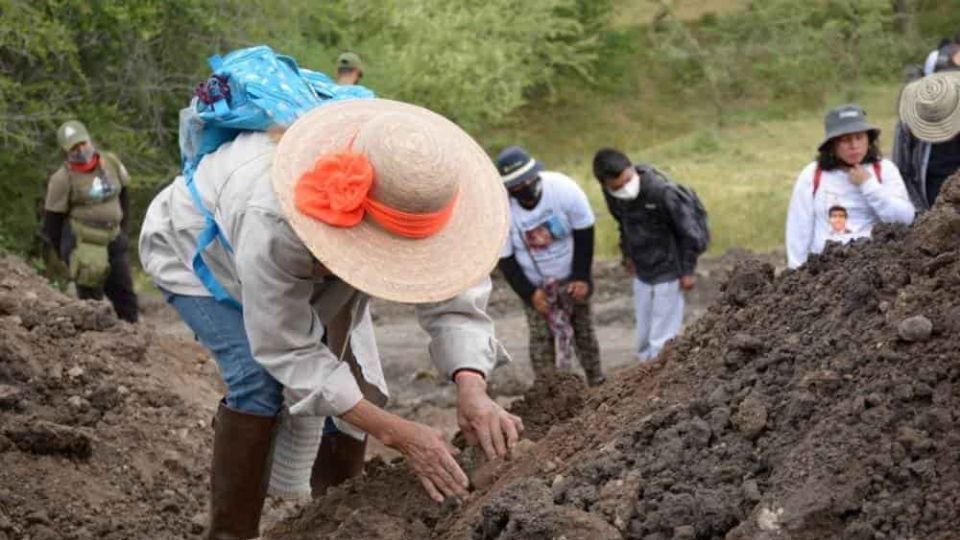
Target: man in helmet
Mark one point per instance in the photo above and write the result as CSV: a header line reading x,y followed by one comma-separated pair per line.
x,y
349,69
86,220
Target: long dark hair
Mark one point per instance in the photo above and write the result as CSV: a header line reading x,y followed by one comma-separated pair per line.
x,y
828,161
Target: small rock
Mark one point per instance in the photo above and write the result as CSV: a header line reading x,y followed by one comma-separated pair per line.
x,y
769,520
751,491
9,396
684,532
751,417
38,517
559,488
55,371
75,372
522,448
916,328
78,403
198,523
9,304
557,480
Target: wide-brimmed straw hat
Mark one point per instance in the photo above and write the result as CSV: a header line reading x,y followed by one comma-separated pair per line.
x,y
423,165
930,106
844,120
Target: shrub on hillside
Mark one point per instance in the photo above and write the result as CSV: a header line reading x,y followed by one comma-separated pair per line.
x,y
780,50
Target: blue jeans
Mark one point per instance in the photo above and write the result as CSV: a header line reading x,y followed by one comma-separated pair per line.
x,y
219,328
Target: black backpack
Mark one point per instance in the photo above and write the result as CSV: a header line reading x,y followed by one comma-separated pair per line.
x,y
691,199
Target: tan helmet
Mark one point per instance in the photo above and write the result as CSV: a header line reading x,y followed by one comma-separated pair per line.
x,y
72,133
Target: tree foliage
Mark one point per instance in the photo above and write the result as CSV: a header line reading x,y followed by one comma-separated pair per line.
x,y
783,50
125,68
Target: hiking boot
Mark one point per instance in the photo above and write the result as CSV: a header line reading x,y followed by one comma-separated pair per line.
x,y
339,458
241,471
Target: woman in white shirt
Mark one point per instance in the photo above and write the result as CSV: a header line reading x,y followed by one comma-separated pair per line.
x,y
849,174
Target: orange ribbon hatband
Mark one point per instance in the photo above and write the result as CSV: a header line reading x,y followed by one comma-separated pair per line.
x,y
337,191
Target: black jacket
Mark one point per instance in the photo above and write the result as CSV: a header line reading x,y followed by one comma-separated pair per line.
x,y
911,155
658,229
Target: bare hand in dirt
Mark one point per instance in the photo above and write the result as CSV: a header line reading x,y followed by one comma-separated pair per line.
x,y
483,421
858,175
628,265
578,290
429,456
687,283
432,460
539,301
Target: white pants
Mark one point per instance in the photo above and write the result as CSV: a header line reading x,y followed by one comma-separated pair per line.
x,y
659,311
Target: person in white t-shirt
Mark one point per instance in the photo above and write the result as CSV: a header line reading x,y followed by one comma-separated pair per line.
x,y
849,177
547,261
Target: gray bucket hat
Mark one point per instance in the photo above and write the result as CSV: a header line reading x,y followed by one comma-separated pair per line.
x,y
930,107
844,120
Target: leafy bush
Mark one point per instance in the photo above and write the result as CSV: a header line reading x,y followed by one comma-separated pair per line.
x,y
126,68
782,50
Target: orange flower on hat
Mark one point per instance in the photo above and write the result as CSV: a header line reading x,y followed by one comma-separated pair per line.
x,y
335,190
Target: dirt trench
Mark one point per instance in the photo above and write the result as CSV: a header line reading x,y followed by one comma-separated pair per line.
x,y
819,403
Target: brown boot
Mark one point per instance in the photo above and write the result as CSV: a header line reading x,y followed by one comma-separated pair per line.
x,y
339,458
241,470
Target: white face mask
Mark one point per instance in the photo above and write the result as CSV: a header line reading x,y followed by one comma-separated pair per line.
x,y
628,191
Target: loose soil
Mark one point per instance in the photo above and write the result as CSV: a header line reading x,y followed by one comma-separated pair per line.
x,y
104,430
820,403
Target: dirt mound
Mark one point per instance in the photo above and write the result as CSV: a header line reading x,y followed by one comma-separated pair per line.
x,y
104,429
549,402
821,403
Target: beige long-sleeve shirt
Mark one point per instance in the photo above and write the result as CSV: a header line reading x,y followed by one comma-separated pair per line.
x,y
285,304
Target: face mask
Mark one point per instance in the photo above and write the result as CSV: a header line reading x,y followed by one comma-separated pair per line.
x,y
82,156
628,191
529,195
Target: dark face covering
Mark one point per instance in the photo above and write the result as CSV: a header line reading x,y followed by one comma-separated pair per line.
x,y
528,194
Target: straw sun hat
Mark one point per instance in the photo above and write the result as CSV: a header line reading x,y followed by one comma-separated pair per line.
x,y
931,107
423,165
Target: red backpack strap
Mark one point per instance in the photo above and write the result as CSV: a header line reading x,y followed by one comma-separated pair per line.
x,y
876,171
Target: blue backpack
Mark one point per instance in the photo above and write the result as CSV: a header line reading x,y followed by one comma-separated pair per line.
x,y
252,89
